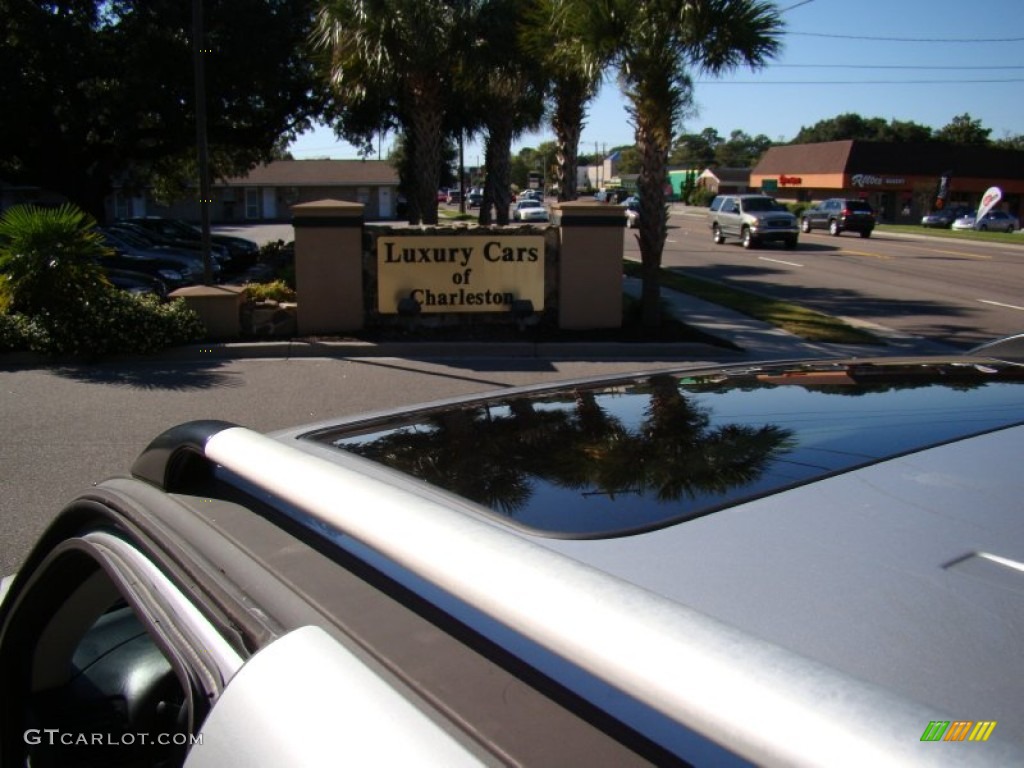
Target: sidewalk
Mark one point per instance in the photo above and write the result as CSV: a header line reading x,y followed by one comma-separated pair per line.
x,y
763,341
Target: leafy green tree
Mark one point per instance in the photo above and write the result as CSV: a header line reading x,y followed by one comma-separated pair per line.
x,y
104,89
962,129
1015,142
630,160
741,150
653,46
48,260
695,149
905,131
851,126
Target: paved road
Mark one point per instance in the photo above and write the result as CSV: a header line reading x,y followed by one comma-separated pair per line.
x,y
958,292
68,427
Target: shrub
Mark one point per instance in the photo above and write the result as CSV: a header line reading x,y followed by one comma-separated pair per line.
x,y
276,290
16,333
114,322
48,259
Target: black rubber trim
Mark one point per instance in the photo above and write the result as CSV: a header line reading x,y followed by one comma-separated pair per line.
x,y
176,459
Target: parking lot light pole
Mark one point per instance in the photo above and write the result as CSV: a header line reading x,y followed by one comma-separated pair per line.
x,y
201,143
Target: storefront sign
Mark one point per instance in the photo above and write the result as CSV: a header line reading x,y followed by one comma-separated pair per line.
x,y
871,180
790,180
460,274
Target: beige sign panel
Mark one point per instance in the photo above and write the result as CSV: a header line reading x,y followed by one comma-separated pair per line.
x,y
483,273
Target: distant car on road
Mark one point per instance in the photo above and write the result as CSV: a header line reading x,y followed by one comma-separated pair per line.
x,y
993,221
753,219
839,215
529,210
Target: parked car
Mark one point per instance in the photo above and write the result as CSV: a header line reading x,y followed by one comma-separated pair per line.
x,y
241,252
138,244
753,219
773,564
943,219
529,210
994,221
152,239
839,215
474,199
135,283
632,206
126,253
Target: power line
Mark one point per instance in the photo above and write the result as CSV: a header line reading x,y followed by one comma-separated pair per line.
x,y
911,39
858,82
895,66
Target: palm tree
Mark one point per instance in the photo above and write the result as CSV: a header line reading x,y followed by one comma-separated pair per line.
x,y
507,87
394,59
557,37
654,45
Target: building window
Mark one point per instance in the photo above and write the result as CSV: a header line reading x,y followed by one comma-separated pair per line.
x,y
252,203
121,207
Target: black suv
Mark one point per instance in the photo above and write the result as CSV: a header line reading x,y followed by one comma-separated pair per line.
x,y
839,215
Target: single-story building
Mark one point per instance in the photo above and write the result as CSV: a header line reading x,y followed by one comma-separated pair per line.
x,y
725,181
899,180
268,191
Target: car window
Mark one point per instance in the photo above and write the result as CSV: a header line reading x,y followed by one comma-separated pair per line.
x,y
857,205
92,667
760,204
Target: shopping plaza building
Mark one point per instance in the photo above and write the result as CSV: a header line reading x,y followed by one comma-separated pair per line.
x,y
899,180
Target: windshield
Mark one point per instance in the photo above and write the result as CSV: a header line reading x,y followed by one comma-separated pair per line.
x,y
761,204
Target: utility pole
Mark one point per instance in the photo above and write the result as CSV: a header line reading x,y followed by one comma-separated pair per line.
x,y
204,156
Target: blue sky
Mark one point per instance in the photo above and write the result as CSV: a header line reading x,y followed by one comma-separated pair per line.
x,y
925,61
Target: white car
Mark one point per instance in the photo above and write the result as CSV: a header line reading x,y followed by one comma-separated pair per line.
x,y
993,221
529,210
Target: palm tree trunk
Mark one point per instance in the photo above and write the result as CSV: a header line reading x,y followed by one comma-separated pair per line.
x,y
567,122
653,228
498,186
426,138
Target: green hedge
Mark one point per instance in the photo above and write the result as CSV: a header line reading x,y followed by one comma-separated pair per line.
x,y
115,322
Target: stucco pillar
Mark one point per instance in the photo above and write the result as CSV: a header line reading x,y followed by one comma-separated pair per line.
x,y
589,264
328,266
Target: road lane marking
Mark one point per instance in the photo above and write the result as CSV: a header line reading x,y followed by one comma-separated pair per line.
x,y
929,250
780,261
870,255
1001,304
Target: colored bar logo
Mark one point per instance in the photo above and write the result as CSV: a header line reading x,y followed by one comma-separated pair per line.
x,y
959,730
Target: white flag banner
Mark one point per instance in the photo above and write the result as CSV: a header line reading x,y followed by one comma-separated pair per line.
x,y
992,196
